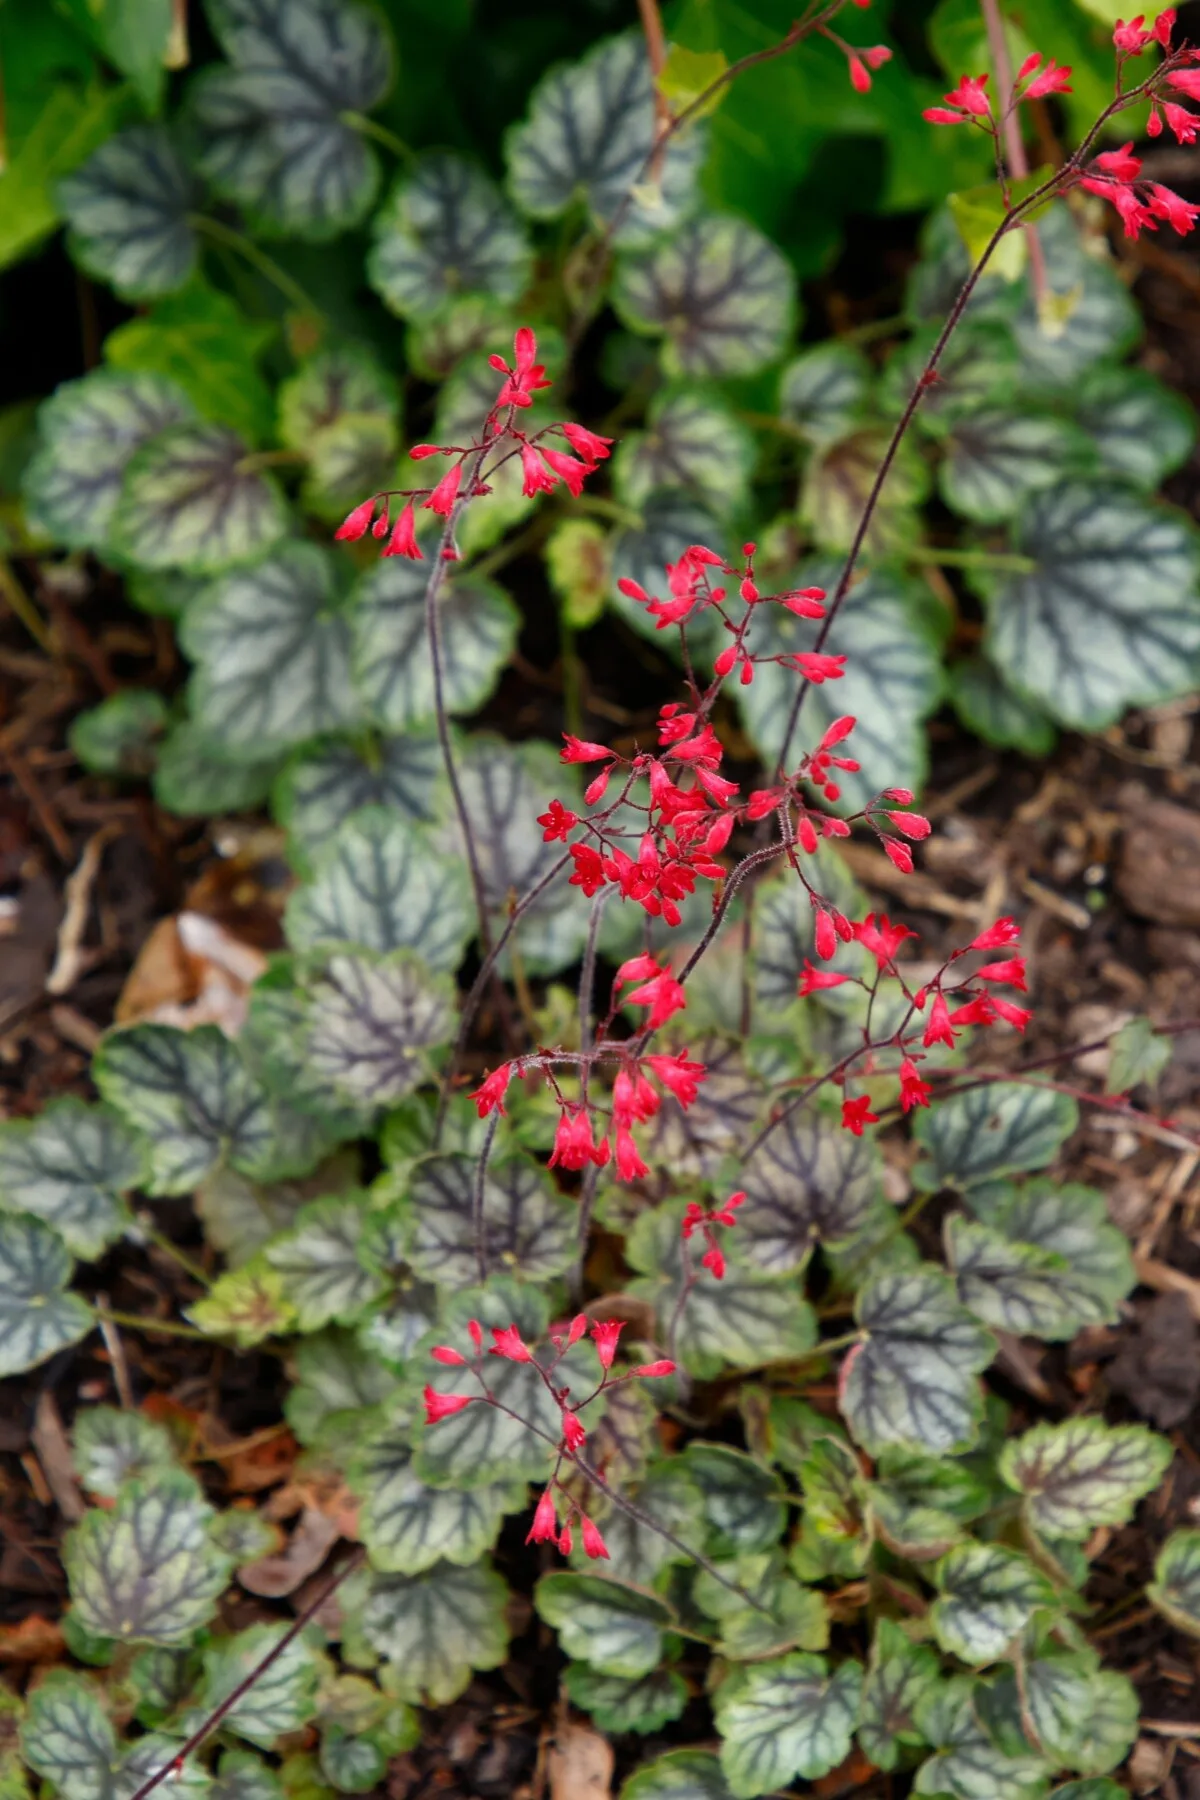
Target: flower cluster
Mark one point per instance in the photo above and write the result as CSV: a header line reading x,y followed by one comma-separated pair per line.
x,y
510,1346
543,465
1116,176
969,103
702,1219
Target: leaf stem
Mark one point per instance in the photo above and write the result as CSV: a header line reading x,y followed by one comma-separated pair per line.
x,y
252,253
1003,561
161,1242
371,128
135,1322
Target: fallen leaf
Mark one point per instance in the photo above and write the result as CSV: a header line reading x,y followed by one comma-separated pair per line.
x,y
302,1555
580,1763
35,1640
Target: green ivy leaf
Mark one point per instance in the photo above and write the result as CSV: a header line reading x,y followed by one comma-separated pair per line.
x,y
353,1764
589,131
808,1183
913,1380
717,291
838,482
337,381
615,1629
322,786
899,1674
272,654
191,1096
1175,1590
745,1319
36,1317
337,1389
407,1526
435,1628
1141,429
1138,1054
1013,1286
188,503
987,1593
72,1166
1083,1473
519,1224
192,780
392,669
372,1024
784,1719
968,1766
282,1699
691,445
202,340
892,683
246,1304
87,432
382,886
276,129
1109,617
127,209
445,230
324,1264
118,736
621,1703
995,459
147,1572
112,1446
824,393
240,1775
988,707
991,1131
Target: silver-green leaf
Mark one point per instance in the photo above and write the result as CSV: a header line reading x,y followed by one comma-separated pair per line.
x,y
913,1380
127,209
719,293
72,1166
444,231
1083,1473
148,1572
191,499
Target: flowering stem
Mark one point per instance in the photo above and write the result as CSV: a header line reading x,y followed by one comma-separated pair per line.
x,y
257,257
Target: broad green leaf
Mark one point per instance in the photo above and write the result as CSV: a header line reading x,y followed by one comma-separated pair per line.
x,y
245,1537
687,76
787,1616
1082,1717
615,1629
118,736
987,706
275,1042
69,121
445,230
679,1775
891,684
437,345
1175,1590
352,457
1083,1473
336,1388
717,291
838,483
1013,1286
382,886
240,1775
477,630
372,1023
191,1096
994,459
784,1719
691,445
147,1572
576,556
136,36
808,1183
740,1501
201,339
240,1215
435,1628
72,1166
36,1317
323,1263
68,1737
407,1526
188,502
127,209
987,1593
1141,429
913,1380
693,1141
283,1698
623,1703
1071,1222
745,1319
277,127
588,136
353,1764
990,1131
1138,1054
112,1446
669,523
1109,616
272,652
504,787
191,779
825,392
1087,313
517,1223
88,431
967,1764
246,1304
322,786
335,381
481,1445
899,1674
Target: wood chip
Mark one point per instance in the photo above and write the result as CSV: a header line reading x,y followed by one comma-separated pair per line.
x,y
1166,1280
71,959
1078,917
53,1453
580,1763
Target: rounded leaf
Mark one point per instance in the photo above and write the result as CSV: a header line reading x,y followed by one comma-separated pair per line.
x,y
444,231
321,1263
282,1698
623,1703
187,502
127,209
372,1023
994,459
1175,1590
516,1224
1141,429
338,380
111,1446
392,667
322,786
717,290
72,1166
785,1718
824,392
615,1629
36,1317
993,1130
808,1183
1083,1473
987,1594
436,1628
192,780
691,446
679,1775
118,736
68,1737
913,1380
407,1526
987,706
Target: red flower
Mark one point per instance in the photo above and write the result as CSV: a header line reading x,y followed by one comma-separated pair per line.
x,y
913,1091
682,1077
637,968
997,937
357,523
558,821
453,1359
1121,164
605,1334
442,499
509,1344
654,1369
589,869
565,1540
663,996
573,1433
489,1095
593,1543
630,1166
857,1113
724,1214
881,937
939,1029
573,472
1015,1015
576,750
969,95
817,668
812,979
1182,122
900,854
538,479
713,1259
574,1145
841,728
1012,972
403,541
544,1529
1168,205
980,1011
585,443
444,1406
1052,80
